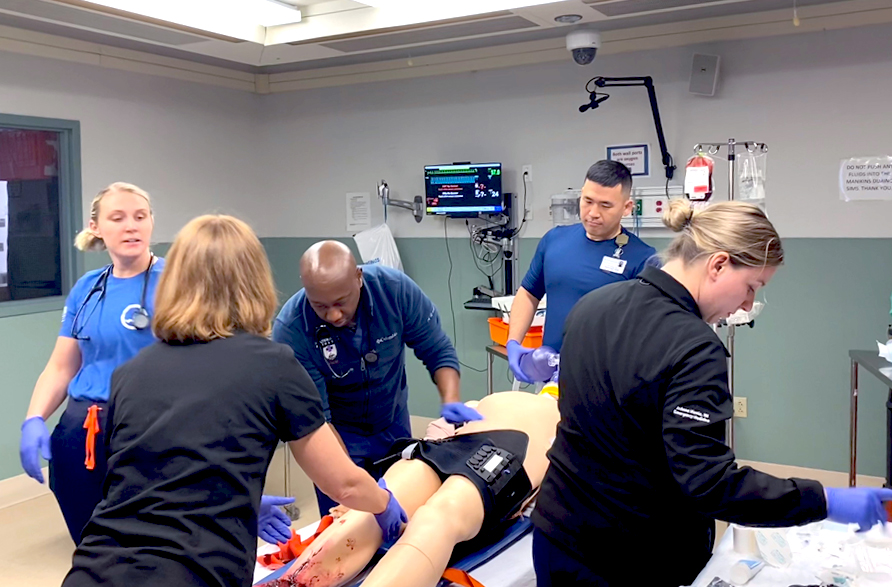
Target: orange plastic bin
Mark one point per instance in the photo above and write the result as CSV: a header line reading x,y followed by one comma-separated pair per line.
x,y
498,332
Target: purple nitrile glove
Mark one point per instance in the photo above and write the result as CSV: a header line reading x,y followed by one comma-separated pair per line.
x,y
857,505
274,525
515,352
35,442
459,413
391,520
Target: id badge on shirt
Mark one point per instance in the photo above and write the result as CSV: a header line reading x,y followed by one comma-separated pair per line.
x,y
613,265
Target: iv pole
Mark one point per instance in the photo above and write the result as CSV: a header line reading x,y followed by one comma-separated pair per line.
x,y
713,149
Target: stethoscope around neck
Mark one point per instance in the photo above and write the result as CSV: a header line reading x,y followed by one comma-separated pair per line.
x,y
140,319
327,345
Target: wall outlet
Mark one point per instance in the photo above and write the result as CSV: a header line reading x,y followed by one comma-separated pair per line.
x,y
740,407
528,170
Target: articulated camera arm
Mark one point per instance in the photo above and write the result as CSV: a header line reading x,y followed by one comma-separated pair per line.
x,y
612,82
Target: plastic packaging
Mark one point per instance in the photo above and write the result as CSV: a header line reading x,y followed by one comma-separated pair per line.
x,y
773,547
504,303
376,245
751,176
540,364
744,570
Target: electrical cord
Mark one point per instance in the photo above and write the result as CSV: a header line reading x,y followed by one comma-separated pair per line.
x,y
510,377
487,253
480,258
672,163
451,304
523,219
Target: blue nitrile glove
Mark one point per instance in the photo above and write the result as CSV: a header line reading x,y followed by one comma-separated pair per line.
x,y
459,413
391,520
857,505
274,525
35,442
515,352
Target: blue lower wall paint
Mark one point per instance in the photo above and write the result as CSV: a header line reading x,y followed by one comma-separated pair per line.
x,y
831,296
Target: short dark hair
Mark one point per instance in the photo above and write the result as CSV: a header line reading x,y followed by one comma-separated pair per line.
x,y
609,174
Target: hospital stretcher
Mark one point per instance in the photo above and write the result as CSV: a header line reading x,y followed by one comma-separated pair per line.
x,y
506,561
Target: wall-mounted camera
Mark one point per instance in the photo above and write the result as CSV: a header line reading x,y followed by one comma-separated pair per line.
x,y
584,45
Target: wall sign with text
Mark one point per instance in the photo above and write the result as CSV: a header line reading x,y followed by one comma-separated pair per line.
x,y
865,178
635,157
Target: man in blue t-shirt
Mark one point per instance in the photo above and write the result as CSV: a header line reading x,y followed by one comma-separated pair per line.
x,y
571,261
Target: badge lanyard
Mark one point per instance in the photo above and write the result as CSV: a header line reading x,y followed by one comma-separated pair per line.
x,y
614,264
326,341
620,241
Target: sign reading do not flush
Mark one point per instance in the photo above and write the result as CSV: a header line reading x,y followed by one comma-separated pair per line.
x,y
865,178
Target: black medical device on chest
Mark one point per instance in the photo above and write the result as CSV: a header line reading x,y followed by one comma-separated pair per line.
x,y
494,466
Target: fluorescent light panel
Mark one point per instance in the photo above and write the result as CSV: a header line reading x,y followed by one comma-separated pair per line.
x,y
219,16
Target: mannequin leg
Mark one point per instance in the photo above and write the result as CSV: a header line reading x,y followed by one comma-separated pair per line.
x,y
452,515
346,547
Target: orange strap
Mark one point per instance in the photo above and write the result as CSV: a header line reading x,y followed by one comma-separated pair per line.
x,y
292,549
461,578
92,426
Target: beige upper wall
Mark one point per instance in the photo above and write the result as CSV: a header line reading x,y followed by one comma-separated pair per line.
x,y
191,146
285,161
814,98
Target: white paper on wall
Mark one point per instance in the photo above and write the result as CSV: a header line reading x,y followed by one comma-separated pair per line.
x,y
865,178
359,211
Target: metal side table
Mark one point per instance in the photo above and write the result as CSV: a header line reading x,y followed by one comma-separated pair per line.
x,y
493,351
882,370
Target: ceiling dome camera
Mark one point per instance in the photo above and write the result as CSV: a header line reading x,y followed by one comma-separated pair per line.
x,y
584,45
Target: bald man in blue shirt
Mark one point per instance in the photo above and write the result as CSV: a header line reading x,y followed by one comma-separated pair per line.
x,y
349,328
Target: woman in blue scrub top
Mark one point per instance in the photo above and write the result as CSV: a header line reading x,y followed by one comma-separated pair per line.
x,y
105,322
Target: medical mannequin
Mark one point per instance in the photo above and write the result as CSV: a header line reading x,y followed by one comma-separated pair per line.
x,y
440,514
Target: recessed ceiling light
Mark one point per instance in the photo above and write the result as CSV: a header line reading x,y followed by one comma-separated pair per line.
x,y
568,18
228,17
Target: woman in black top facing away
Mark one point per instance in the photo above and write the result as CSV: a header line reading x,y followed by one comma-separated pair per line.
x,y
194,420
639,470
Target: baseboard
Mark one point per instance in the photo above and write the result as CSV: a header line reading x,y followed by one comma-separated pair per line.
x,y
419,425
826,478
20,488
